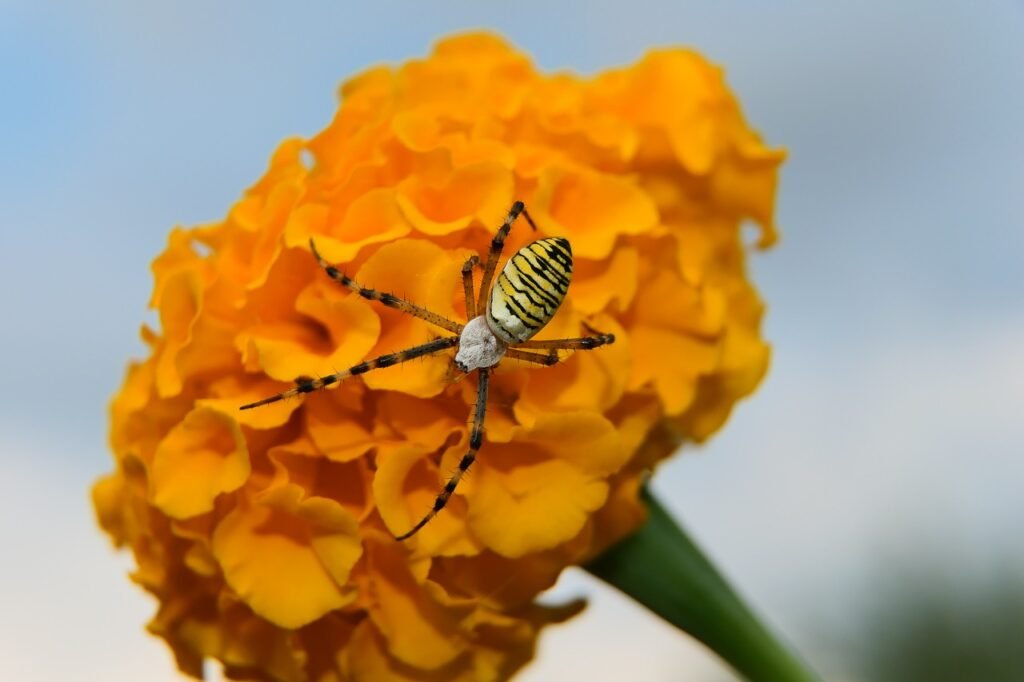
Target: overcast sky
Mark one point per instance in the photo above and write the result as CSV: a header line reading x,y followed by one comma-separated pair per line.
x,y
890,425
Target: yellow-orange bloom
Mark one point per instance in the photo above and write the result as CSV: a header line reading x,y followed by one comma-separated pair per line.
x,y
267,535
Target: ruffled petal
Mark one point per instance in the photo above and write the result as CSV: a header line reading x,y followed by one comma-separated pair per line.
x,y
288,558
200,458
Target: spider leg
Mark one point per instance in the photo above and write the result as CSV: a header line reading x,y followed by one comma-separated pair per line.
x,y
308,384
387,299
467,284
548,359
497,244
476,439
584,343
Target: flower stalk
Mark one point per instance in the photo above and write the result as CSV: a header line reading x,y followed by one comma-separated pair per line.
x,y
662,568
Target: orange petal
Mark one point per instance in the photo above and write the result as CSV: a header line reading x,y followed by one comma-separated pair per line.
x,y
596,284
419,632
586,439
203,456
367,659
238,391
109,500
405,487
480,192
537,505
425,422
425,274
345,482
593,209
586,380
372,218
179,304
285,351
746,187
673,362
287,558
667,301
337,426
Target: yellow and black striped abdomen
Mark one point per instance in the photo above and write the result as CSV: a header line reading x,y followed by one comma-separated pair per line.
x,y
529,289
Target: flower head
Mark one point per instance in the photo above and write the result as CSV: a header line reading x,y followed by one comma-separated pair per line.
x,y
267,535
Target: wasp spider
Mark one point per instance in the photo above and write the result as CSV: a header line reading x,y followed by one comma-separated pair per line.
x,y
523,299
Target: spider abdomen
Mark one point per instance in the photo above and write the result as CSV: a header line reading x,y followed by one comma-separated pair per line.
x,y
529,290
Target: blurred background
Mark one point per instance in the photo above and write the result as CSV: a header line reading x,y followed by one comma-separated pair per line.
x,y
869,499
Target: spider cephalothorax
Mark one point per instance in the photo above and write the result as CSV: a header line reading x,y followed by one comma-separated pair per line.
x,y
522,300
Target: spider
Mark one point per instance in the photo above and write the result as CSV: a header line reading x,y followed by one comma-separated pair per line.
x,y
522,300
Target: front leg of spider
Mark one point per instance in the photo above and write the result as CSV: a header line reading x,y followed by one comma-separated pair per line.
x,y
476,439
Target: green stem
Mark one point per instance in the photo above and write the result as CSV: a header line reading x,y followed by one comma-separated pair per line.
x,y
661,567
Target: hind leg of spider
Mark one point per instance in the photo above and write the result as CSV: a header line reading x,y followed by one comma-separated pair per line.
x,y
476,439
497,244
547,359
584,343
467,285
387,299
308,385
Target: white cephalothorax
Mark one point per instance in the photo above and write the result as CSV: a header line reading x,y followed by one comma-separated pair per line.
x,y
478,346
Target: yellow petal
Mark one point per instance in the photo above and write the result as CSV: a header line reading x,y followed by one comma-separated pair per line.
x,y
203,456
429,423
746,187
405,487
586,380
336,424
667,301
108,499
372,218
597,284
179,305
283,557
673,362
537,505
419,632
586,439
425,274
367,660
479,192
238,391
289,350
345,482
593,209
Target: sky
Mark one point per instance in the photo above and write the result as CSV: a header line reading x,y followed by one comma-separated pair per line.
x,y
888,429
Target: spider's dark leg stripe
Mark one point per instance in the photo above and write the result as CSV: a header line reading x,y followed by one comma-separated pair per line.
x,y
497,244
546,359
585,343
387,299
467,284
308,385
476,439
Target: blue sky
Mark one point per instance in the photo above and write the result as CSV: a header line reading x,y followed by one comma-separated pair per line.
x,y
890,422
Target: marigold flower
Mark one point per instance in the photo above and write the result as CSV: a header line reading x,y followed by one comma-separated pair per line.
x,y
267,535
